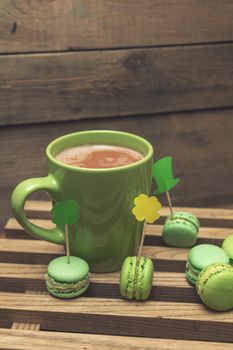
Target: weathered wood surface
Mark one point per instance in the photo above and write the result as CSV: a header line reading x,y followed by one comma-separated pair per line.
x,y
167,286
35,251
42,250
200,144
119,317
28,26
117,307
44,207
28,340
68,86
30,271
153,232
173,312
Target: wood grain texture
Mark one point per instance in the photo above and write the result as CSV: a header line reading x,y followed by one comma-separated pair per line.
x,y
30,271
167,286
26,246
79,24
108,316
35,206
26,340
200,144
41,252
69,86
215,217
37,302
153,232
173,311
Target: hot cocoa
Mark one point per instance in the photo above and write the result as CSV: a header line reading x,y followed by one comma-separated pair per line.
x,y
98,156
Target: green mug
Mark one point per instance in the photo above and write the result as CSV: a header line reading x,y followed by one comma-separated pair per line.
x,y
106,231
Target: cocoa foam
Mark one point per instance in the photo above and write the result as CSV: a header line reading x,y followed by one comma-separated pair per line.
x,y
98,156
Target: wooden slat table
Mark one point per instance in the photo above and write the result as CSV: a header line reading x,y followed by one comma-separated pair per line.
x,y
173,317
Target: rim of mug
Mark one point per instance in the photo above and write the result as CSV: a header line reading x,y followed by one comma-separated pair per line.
x,y
149,154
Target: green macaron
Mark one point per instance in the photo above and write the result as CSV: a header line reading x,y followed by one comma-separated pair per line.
x,y
215,286
228,247
200,257
67,280
181,230
136,278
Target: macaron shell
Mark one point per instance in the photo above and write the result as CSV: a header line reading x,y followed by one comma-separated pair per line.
x,y
75,271
179,233
228,247
191,274
215,287
144,280
67,280
127,277
203,255
136,278
207,272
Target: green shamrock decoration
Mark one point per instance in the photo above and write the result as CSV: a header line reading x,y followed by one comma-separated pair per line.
x,y
65,213
162,173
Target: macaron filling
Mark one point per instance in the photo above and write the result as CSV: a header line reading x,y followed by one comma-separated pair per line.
x,y
139,277
136,273
131,279
184,219
62,287
191,269
191,273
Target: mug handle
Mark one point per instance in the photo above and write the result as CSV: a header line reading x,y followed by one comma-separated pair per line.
x,y
18,199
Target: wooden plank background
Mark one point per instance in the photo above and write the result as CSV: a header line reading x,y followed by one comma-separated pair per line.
x,y
67,86
79,24
160,69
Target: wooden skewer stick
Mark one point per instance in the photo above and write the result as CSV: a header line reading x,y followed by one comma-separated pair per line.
x,y
67,244
142,238
169,202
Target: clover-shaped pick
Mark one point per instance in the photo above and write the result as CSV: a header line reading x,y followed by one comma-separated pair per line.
x,y
64,214
146,208
163,175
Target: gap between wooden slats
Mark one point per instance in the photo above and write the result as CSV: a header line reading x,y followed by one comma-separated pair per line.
x,y
30,271
21,246
153,232
120,317
167,286
207,213
41,252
